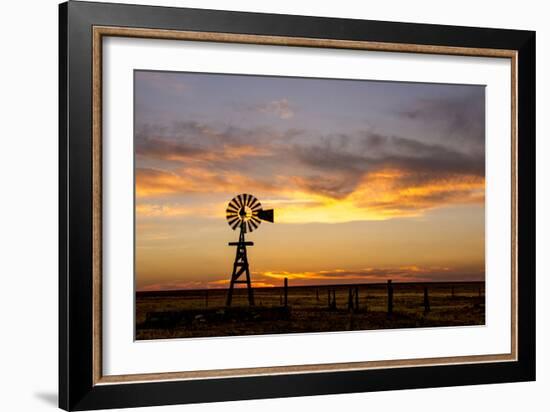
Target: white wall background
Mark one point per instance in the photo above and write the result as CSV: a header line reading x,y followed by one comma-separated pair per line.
x,y
28,203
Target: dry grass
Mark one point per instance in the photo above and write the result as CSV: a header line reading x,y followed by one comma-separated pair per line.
x,y
202,313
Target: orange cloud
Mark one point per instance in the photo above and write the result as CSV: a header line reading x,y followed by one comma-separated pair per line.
x,y
226,153
382,195
378,195
155,182
171,286
394,192
408,273
183,151
224,283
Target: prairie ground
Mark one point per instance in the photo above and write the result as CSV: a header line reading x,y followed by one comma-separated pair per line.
x,y
202,313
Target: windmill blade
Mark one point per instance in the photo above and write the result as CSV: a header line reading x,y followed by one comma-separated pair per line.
x,y
233,207
234,204
266,215
240,200
235,224
255,205
231,212
232,220
251,220
251,201
254,224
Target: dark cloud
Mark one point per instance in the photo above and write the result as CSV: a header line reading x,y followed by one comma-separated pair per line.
x,y
462,118
191,140
332,165
168,149
370,150
209,134
345,160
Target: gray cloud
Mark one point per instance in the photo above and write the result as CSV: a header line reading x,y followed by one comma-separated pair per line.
x,y
191,139
344,160
462,119
368,150
166,149
332,165
280,108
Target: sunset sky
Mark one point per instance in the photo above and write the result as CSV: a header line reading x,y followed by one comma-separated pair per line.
x,y
369,180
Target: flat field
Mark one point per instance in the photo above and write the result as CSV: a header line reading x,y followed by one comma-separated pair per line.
x,y
202,313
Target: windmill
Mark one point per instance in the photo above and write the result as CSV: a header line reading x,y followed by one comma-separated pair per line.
x,y
245,213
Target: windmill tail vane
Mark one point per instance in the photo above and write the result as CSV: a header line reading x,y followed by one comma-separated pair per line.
x,y
245,212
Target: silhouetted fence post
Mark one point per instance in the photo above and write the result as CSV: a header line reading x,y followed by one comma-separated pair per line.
x,y
452,292
286,292
426,300
390,298
353,298
317,293
332,299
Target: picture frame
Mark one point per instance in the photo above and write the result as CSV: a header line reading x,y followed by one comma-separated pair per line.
x,y
83,26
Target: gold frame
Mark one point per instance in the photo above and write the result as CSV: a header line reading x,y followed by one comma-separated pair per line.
x,y
101,31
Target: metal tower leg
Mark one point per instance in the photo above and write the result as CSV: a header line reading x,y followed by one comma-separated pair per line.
x,y
240,266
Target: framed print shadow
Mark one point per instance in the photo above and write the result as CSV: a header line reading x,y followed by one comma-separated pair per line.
x,y
256,205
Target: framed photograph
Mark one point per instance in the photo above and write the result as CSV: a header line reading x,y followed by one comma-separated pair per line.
x,y
257,205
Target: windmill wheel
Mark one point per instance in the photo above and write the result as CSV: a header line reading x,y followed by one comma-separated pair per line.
x,y
243,211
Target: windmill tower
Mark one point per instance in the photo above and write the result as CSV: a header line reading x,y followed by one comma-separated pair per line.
x,y
245,213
